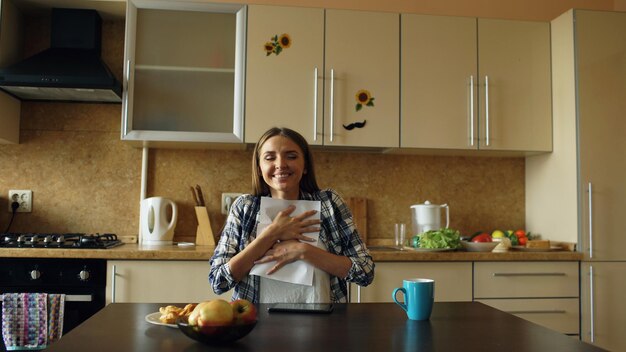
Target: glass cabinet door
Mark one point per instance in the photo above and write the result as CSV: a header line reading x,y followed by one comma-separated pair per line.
x,y
184,72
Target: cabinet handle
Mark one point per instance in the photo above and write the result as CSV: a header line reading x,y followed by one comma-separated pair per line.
x,y
529,274
487,110
113,274
471,114
315,106
590,195
125,113
332,102
78,298
552,311
591,310
127,72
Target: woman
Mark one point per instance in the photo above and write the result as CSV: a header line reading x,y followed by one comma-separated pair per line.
x,y
282,168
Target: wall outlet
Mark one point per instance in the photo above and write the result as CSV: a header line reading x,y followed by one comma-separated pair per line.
x,y
227,201
24,198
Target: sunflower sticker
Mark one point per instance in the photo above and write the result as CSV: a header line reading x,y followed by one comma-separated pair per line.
x,y
363,98
277,44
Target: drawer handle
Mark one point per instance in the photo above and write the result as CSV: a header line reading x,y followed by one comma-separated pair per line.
x,y
529,274
535,311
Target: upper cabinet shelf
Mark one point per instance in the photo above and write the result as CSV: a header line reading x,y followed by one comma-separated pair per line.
x,y
184,72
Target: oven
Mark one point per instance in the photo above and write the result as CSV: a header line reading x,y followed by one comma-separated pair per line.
x,y
83,281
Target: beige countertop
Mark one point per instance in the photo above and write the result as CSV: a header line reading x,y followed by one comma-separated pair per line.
x,y
173,252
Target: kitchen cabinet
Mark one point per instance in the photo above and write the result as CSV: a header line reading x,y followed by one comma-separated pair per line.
x,y
472,83
453,281
313,85
159,281
184,73
285,89
544,293
10,22
603,307
579,188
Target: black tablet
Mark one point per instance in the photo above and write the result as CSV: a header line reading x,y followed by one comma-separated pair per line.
x,y
300,308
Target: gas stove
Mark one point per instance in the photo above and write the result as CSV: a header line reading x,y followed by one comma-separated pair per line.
x,y
56,240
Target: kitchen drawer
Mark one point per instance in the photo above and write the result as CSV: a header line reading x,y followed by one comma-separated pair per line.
x,y
525,279
453,281
560,314
157,281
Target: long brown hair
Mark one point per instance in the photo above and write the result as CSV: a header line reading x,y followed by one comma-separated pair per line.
x,y
308,183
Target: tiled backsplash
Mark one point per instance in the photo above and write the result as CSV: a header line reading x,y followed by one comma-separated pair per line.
x,y
85,179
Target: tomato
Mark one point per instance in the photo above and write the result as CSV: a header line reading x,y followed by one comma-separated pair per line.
x,y
483,237
520,233
522,240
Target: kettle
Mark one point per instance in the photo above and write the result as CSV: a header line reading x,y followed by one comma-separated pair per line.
x,y
154,224
427,217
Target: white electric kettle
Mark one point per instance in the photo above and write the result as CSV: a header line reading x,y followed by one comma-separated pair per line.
x,y
155,227
427,217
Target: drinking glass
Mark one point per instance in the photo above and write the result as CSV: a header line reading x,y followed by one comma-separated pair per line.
x,y
400,235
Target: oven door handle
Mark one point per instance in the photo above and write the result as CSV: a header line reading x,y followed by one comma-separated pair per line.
x,y
72,298
78,298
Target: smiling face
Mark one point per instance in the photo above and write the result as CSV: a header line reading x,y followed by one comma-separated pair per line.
x,y
282,164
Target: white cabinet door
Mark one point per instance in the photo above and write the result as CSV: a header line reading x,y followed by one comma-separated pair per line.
x,y
362,74
284,81
589,49
183,74
439,79
515,85
600,57
159,281
453,281
345,61
603,307
476,84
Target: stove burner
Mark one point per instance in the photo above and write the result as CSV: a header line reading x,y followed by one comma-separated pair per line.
x,y
66,240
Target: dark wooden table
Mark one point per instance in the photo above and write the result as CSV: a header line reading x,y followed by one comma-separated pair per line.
x,y
453,326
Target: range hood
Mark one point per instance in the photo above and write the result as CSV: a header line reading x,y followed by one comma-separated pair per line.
x,y
71,69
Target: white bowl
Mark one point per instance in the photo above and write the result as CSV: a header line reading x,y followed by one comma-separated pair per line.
x,y
479,246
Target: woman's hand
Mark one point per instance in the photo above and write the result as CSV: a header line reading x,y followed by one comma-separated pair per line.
x,y
283,253
285,228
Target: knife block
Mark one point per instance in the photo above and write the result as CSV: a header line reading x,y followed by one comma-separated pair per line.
x,y
204,233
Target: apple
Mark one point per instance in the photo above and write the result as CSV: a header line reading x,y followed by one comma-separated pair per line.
x,y
244,311
215,312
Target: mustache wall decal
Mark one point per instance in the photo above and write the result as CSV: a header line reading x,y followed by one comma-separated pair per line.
x,y
355,125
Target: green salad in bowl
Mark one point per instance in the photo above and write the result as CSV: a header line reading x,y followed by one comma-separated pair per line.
x,y
438,239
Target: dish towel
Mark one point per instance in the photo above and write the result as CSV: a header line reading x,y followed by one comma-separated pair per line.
x,y
31,321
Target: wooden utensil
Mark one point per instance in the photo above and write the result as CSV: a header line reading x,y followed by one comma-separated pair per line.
x,y
358,206
195,196
200,196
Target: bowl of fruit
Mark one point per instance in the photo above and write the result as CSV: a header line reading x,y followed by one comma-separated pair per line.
x,y
481,242
218,322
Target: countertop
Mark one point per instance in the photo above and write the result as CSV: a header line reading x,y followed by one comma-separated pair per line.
x,y
453,326
173,252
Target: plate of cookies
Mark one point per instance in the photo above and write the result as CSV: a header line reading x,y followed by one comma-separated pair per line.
x,y
166,316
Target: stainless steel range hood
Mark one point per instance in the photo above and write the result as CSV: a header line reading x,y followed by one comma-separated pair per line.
x,y
71,69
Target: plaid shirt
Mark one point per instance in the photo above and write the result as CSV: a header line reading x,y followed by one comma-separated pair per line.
x,y
337,231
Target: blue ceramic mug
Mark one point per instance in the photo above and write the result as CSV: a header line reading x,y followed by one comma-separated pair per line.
x,y
419,295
